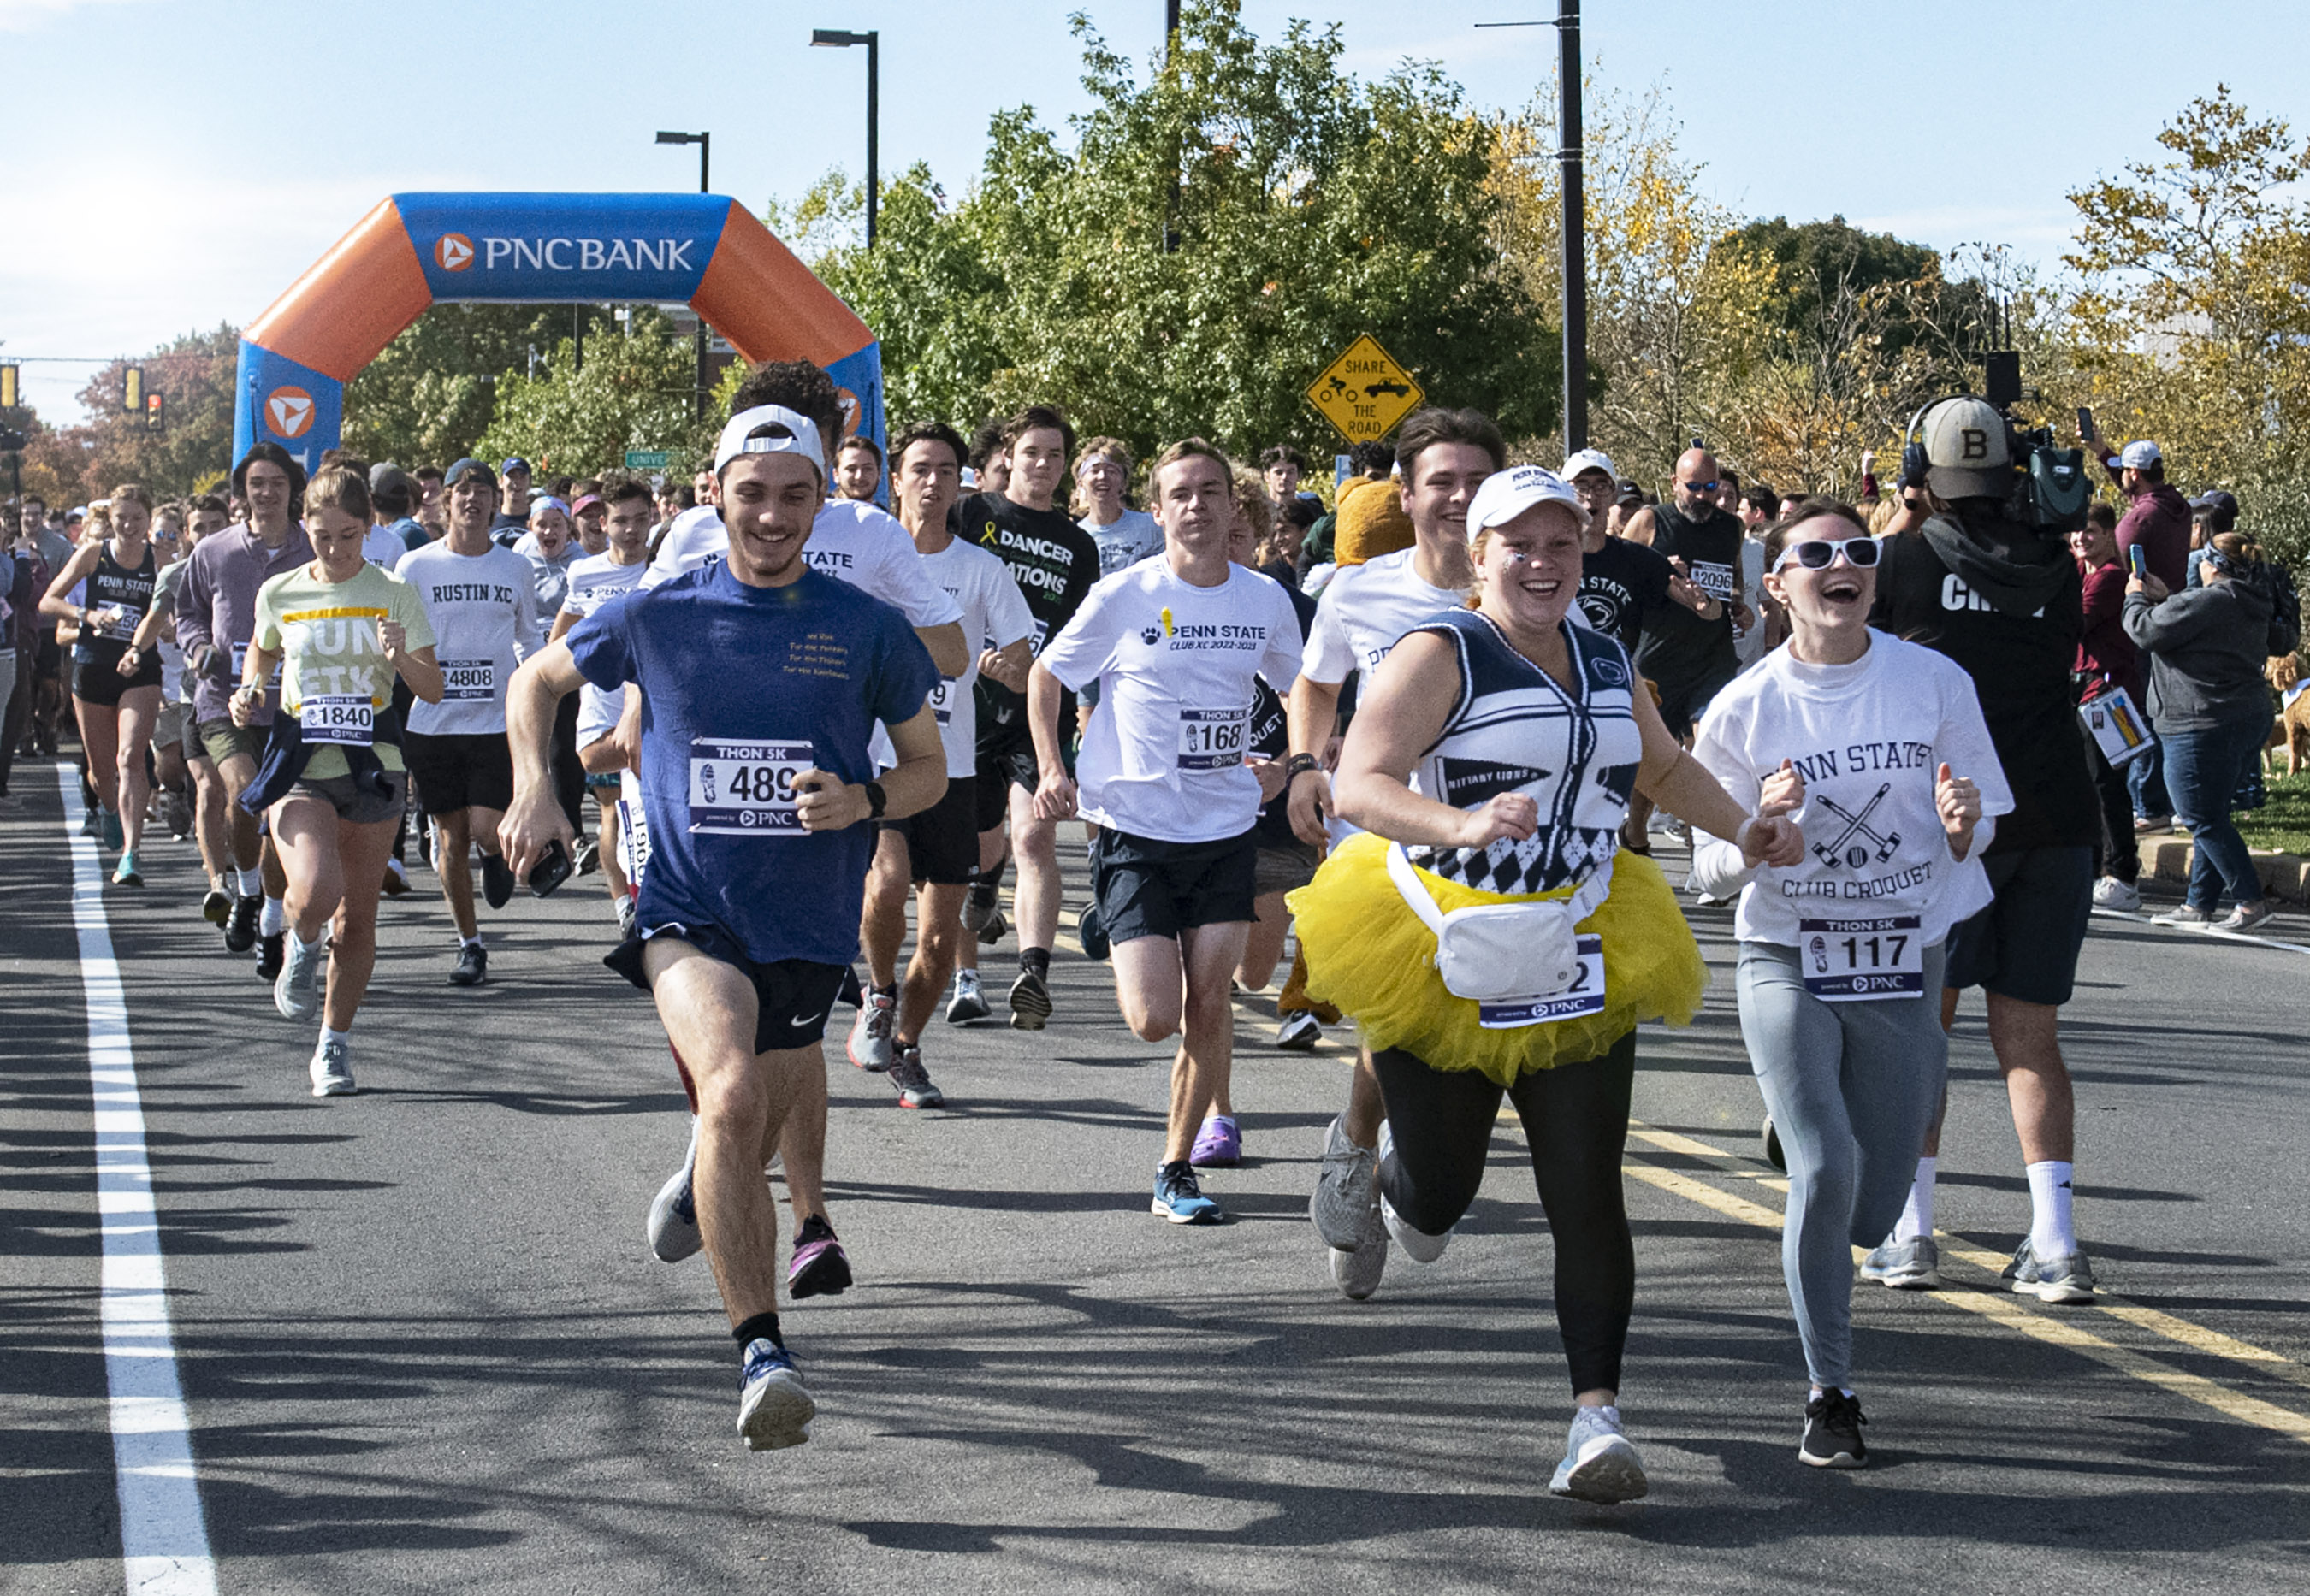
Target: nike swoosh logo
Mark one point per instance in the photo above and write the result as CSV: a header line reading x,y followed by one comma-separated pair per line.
x,y
810,1018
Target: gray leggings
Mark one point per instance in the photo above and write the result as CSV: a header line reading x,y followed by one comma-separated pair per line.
x,y
1851,1089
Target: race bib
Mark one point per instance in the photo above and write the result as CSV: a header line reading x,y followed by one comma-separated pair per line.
x,y
1862,960
1212,739
633,840
1713,579
240,658
345,719
119,624
1042,630
468,680
1584,997
746,789
941,700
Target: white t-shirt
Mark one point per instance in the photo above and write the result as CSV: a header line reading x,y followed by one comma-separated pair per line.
x,y
1163,758
852,541
594,581
695,536
1129,538
381,547
1869,738
993,609
484,608
1365,611
1748,646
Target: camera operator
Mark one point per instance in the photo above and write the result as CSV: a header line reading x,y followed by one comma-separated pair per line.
x,y
2003,599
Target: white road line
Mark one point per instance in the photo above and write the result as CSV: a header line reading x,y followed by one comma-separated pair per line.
x,y
164,1543
2211,932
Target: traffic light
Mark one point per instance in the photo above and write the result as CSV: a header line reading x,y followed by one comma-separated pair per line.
x,y
8,376
155,416
132,389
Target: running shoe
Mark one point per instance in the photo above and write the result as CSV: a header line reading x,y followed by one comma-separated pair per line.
x,y
1770,1138
1179,1197
1912,1265
968,1002
332,1070
92,824
1031,1002
1299,1032
2110,893
1342,1205
2061,1281
774,1406
674,1233
1832,1432
127,874
2185,915
397,877
1418,1245
978,905
1599,1464
1219,1145
270,951
176,814
296,991
497,880
473,965
2246,916
1090,930
627,912
588,857
820,1267
996,928
113,836
216,908
916,1089
2146,823
240,925
1357,1272
870,1045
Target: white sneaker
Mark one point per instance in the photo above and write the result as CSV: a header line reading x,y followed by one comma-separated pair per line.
x,y
968,1002
1600,1465
296,990
331,1068
674,1233
1418,1245
2110,893
873,1045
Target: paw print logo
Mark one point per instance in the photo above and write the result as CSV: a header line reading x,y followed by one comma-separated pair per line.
x,y
1150,635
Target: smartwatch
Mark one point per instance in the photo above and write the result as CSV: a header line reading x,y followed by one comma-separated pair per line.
x,y
876,801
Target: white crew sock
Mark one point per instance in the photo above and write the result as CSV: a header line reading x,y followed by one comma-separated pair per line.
x,y
252,881
315,946
272,919
395,867
471,941
328,1035
1917,1215
2052,1233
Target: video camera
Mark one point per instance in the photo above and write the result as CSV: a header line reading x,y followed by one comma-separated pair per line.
x,y
2051,488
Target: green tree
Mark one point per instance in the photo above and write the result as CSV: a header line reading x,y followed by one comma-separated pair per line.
x,y
432,393
636,391
193,449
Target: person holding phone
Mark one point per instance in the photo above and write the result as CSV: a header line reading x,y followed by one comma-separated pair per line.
x,y
332,781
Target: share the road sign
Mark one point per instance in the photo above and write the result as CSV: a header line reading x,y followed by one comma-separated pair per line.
x,y
1365,392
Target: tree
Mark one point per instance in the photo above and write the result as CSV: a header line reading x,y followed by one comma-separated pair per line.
x,y
194,374
636,391
432,393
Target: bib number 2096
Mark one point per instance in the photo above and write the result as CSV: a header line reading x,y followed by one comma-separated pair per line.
x,y
746,789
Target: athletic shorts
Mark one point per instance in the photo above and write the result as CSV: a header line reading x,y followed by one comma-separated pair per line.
x,y
98,680
1684,700
792,996
942,840
1149,889
1006,759
169,727
48,658
1283,869
461,770
2025,944
221,740
355,804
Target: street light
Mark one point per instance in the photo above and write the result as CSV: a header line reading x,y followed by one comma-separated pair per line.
x,y
1575,213
705,142
837,39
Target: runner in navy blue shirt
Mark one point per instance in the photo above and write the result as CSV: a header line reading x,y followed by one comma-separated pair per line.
x,y
761,682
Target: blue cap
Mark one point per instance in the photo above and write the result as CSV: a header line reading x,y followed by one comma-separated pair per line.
x,y
515,463
468,467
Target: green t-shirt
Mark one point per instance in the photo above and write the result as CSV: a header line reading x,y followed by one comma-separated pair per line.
x,y
328,632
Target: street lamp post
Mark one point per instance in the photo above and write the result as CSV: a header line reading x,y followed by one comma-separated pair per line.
x,y
1575,214
838,39
705,142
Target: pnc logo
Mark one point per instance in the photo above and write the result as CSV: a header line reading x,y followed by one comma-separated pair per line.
x,y
288,410
454,253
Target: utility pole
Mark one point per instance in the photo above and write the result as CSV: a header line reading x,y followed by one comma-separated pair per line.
x,y
1170,55
1574,218
838,38
705,142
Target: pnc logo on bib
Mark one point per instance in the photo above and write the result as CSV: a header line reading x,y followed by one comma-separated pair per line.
x,y
288,410
454,253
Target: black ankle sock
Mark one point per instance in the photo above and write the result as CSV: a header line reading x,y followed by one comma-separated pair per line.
x,y
891,991
990,881
758,1327
1038,960
813,1228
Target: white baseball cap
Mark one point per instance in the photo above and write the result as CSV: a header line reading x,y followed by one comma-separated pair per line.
x,y
1507,494
771,429
2140,455
1589,460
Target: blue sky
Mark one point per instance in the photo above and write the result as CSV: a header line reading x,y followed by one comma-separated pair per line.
x,y
170,164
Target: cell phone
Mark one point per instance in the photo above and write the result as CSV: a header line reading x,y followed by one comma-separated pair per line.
x,y
2139,559
2085,423
549,872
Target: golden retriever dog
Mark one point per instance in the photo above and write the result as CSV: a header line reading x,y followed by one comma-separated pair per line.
x,y
2291,730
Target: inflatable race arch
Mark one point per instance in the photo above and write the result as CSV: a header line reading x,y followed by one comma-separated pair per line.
x,y
417,250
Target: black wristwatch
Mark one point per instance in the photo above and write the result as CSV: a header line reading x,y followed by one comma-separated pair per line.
x,y
1297,765
877,800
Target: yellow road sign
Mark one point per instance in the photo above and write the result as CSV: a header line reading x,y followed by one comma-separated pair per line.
x,y
1365,392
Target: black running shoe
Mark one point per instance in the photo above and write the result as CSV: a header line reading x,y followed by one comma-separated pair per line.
x,y
497,880
979,904
241,925
820,1267
472,967
1832,1432
269,952
1031,1002
1090,930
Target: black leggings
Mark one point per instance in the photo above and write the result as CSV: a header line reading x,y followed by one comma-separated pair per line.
x,y
1576,1117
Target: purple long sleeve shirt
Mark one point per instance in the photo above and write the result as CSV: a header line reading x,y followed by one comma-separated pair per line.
x,y
216,603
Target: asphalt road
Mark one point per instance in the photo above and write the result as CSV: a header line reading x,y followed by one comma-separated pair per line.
x,y
423,1346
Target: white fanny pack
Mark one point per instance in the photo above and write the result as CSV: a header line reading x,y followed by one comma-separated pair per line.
x,y
1498,952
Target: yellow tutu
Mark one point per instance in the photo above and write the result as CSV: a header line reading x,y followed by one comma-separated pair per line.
x,y
1369,954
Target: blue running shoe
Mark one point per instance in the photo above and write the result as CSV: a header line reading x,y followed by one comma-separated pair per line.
x,y
774,1406
1179,1199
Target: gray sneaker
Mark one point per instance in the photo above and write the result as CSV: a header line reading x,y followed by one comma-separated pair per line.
x,y
913,1081
296,990
1342,1201
1599,1464
871,1044
1905,1265
332,1069
2057,1280
2246,916
2186,914
1357,1272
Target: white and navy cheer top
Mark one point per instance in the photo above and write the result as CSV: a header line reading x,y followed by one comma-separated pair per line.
x,y
1515,730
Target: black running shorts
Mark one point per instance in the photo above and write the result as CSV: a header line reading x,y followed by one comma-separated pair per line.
x,y
942,840
2025,944
792,996
1149,889
461,770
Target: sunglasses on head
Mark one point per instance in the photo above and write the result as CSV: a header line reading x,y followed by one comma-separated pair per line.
x,y
1817,554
